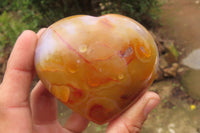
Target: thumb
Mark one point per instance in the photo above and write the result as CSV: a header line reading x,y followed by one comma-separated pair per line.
x,y
132,120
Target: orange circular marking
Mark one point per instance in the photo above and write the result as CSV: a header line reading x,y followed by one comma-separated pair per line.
x,y
101,109
128,54
76,95
61,92
99,113
142,52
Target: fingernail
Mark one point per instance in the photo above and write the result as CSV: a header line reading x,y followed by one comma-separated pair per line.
x,y
150,106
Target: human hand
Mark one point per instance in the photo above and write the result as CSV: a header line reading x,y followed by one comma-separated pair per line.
x,y
38,114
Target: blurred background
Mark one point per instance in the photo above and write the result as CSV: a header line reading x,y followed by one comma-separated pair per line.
x,y
175,26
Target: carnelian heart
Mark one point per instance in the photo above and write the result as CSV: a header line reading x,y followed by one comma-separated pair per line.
x,y
97,66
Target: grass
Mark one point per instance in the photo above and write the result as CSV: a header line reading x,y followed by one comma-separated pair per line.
x,y
11,26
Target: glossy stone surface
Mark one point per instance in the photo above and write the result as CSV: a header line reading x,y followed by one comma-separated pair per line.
x,y
97,66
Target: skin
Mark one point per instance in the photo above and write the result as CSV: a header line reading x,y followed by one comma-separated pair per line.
x,y
36,112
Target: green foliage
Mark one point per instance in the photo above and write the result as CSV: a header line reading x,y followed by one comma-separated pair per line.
x,y
173,50
144,11
11,25
24,9
18,15
52,10
15,17
45,12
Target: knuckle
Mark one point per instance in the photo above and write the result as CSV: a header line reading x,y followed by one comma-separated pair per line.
x,y
132,127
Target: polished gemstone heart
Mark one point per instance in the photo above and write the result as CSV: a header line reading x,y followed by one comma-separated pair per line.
x,y
97,66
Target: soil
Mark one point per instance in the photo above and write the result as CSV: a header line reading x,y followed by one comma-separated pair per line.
x,y
180,22
179,109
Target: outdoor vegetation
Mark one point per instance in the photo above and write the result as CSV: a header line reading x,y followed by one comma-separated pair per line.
x,y
18,15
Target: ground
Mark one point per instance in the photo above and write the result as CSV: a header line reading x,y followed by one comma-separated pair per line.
x,y
179,109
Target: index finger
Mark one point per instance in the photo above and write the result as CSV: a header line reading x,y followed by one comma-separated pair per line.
x,y
19,73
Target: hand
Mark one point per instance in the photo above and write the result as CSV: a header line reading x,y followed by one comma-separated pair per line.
x,y
38,114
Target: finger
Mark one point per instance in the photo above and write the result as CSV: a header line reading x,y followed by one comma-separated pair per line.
x,y
19,73
131,121
76,123
43,105
40,32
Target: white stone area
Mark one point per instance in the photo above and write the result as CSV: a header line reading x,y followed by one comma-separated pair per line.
x,y
192,60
